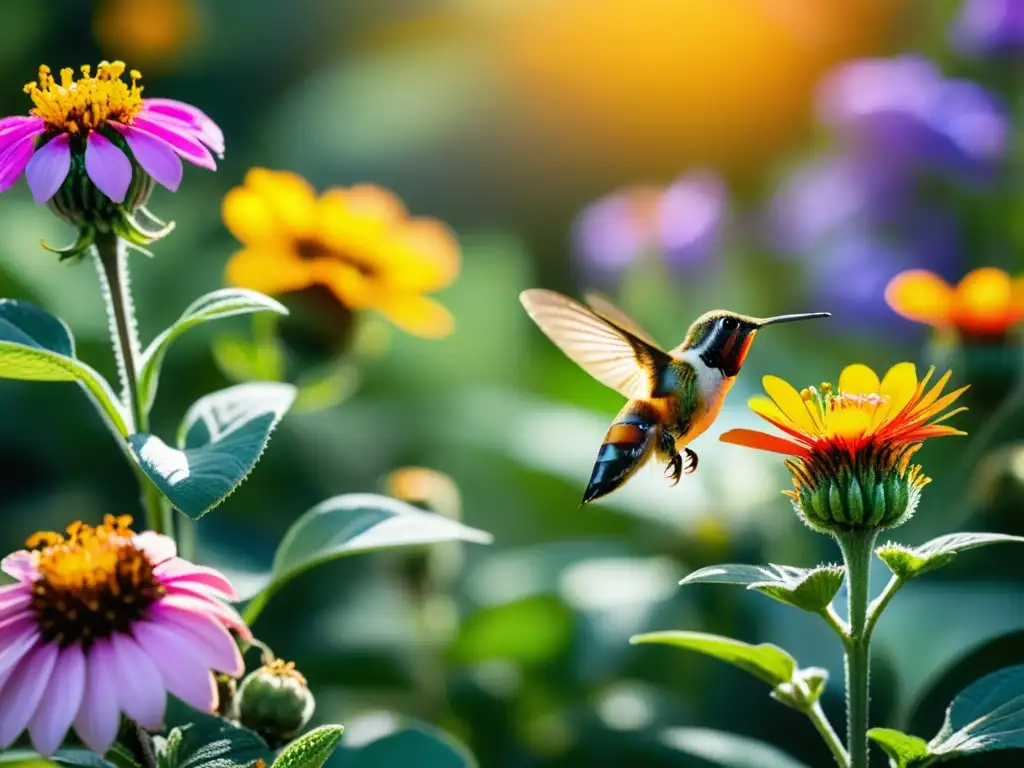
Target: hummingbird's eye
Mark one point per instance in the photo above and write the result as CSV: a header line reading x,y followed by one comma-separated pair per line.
x,y
729,322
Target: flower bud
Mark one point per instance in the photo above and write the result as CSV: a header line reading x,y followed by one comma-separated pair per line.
x,y
275,702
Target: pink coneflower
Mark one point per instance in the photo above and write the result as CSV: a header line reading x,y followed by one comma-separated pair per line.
x,y
100,123
103,621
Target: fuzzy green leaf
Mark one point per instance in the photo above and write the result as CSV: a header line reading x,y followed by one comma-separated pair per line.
x,y
908,562
227,302
727,750
36,346
810,589
902,748
211,742
312,749
351,524
221,439
987,715
765,661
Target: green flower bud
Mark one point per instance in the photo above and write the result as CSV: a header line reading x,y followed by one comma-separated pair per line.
x,y
275,702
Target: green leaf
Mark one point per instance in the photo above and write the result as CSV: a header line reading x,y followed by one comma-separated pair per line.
x,y
765,661
728,750
902,748
312,749
908,562
385,740
529,631
221,439
351,524
987,715
809,589
80,758
36,346
211,742
23,758
227,302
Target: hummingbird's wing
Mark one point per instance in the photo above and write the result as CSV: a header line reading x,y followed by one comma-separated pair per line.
x,y
603,306
611,354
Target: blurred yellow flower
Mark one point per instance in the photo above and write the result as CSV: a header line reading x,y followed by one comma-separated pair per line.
x,y
986,302
358,242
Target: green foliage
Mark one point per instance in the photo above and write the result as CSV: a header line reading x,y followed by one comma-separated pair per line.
x,y
529,631
36,346
210,742
312,749
383,740
351,524
765,661
987,715
902,748
810,589
728,750
226,302
222,437
908,562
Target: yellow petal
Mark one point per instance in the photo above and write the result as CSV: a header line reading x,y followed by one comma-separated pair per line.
x,y
289,197
369,201
765,442
418,315
270,272
353,288
424,255
342,230
983,300
847,422
250,218
899,386
920,295
858,379
789,402
933,394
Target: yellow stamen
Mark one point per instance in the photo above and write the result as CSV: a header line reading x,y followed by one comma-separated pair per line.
x,y
77,107
86,558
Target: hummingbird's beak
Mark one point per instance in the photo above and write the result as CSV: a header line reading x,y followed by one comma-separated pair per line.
x,y
791,318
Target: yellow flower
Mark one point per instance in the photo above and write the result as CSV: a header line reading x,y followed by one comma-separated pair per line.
x,y
986,302
358,242
851,446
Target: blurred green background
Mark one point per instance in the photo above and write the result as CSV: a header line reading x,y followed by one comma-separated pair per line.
x,y
505,119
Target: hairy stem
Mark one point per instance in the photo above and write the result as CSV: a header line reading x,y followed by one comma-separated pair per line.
x,y
112,261
828,733
857,549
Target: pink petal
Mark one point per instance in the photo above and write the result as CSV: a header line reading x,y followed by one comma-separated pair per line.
x,y
141,690
7,123
181,139
99,716
212,643
193,599
16,640
48,168
29,126
177,570
14,159
13,599
183,674
24,690
21,566
107,166
156,156
61,701
206,130
157,547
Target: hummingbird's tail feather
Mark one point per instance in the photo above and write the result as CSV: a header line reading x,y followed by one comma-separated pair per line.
x,y
627,446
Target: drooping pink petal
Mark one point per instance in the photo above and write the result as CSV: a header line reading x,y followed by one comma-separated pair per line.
x,y
193,599
13,599
183,141
107,166
48,168
211,642
177,570
16,640
60,703
157,547
14,159
30,126
206,130
99,716
23,691
156,156
141,691
7,123
183,674
21,566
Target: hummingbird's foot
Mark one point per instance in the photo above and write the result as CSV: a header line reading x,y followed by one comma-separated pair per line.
x,y
691,461
674,470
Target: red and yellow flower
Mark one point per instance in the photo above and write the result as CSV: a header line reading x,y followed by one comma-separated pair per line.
x,y
851,446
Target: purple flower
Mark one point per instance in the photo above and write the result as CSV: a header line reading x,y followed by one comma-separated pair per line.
x,y
990,27
682,223
904,112
106,122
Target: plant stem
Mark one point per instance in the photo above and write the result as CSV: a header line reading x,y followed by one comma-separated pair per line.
x,y
857,547
112,260
828,733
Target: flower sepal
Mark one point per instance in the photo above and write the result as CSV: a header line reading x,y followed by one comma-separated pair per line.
x,y
128,227
86,237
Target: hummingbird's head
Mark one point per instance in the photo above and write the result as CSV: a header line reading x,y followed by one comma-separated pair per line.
x,y
723,338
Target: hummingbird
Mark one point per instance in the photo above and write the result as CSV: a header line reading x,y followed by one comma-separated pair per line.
x,y
672,397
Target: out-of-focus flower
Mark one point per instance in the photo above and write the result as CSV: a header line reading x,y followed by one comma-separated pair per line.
x,y
986,303
102,621
904,111
150,32
850,447
682,224
275,701
990,27
357,242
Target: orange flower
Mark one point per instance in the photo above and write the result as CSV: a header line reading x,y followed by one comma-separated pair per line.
x,y
358,242
986,302
851,446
